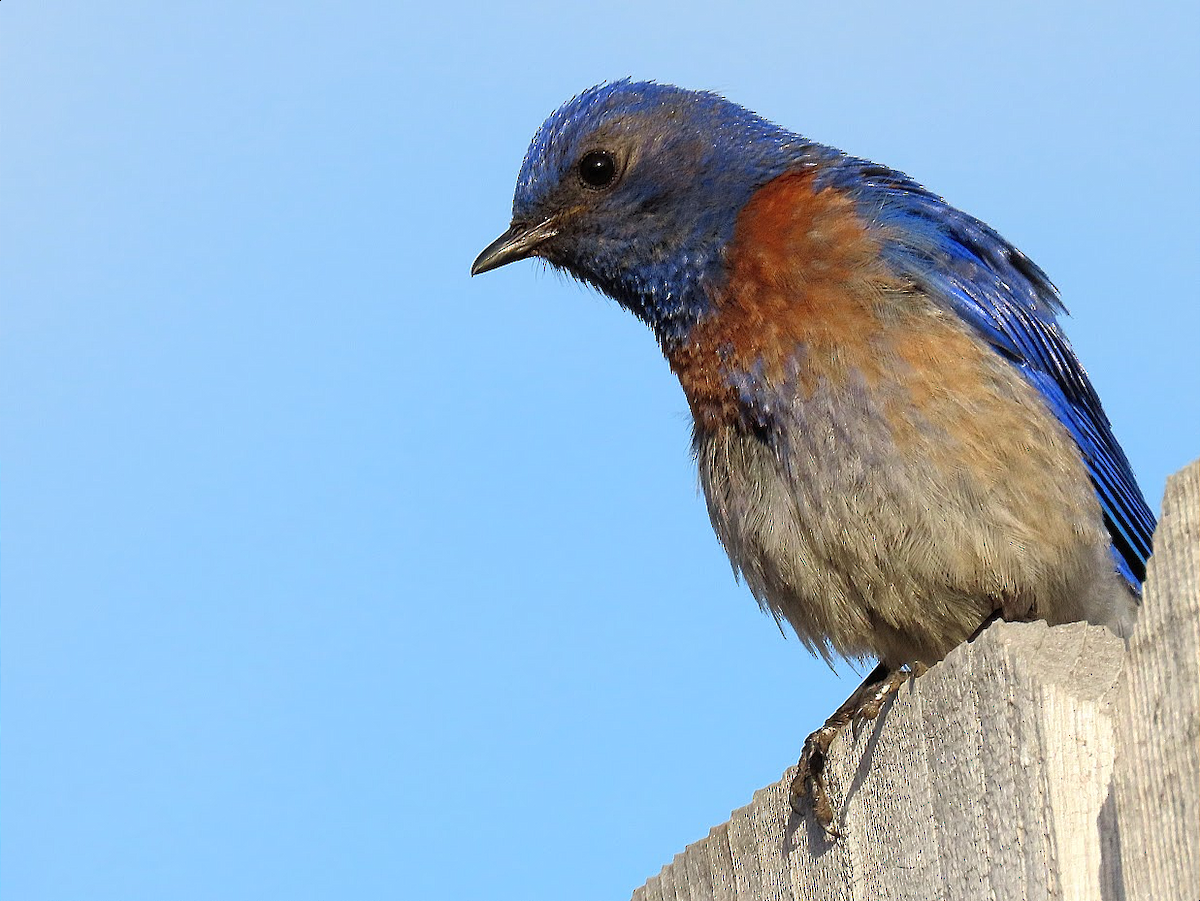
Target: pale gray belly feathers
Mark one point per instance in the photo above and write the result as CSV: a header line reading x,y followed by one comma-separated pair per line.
x,y
867,548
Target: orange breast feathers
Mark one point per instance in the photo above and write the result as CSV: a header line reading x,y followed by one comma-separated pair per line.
x,y
807,298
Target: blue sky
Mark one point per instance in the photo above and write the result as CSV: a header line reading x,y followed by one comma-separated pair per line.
x,y
329,572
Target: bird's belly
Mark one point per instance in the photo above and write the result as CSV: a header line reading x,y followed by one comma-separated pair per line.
x,y
877,532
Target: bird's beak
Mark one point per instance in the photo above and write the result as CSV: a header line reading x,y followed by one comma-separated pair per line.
x,y
518,243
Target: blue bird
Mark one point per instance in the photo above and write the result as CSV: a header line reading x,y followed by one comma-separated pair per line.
x,y
895,440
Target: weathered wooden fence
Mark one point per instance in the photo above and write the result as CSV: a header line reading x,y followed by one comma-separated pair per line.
x,y
1034,763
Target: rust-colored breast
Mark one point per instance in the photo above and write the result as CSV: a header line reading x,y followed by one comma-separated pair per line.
x,y
804,276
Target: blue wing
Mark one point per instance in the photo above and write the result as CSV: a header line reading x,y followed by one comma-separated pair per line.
x,y
961,262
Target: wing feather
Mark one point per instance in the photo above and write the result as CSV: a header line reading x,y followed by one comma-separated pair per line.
x,y
971,270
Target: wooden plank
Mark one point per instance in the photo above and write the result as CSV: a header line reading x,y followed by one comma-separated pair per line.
x,y
1157,780
1034,763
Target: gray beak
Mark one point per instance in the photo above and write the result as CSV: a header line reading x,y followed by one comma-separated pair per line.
x,y
518,243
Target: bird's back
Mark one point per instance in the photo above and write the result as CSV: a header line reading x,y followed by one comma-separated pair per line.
x,y
964,266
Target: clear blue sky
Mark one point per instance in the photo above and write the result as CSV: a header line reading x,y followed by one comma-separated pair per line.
x,y
329,572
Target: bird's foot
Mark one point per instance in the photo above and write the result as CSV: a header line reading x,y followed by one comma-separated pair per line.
x,y
864,704
870,706
809,784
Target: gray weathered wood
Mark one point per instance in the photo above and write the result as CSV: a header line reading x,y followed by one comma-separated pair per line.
x,y
1034,763
1157,784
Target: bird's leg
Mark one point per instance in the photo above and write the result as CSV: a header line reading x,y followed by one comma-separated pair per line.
x,y
863,704
983,626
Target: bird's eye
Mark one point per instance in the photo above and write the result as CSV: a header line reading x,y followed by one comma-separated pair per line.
x,y
598,169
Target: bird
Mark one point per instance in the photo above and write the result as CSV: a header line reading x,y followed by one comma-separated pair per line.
x,y
895,441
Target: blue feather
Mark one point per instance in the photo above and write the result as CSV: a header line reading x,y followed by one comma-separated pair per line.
x,y
971,270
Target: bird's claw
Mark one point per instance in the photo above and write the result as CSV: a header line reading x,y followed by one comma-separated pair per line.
x,y
808,786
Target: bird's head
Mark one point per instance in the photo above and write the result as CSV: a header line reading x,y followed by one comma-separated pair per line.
x,y
634,187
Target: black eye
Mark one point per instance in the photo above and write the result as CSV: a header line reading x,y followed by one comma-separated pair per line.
x,y
598,169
